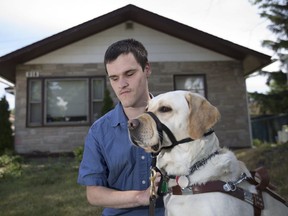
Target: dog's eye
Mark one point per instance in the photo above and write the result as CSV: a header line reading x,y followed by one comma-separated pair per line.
x,y
165,109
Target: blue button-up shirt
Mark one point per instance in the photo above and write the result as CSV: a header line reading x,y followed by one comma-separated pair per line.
x,y
111,160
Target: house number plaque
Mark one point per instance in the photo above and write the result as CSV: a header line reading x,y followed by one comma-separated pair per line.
x,y
32,74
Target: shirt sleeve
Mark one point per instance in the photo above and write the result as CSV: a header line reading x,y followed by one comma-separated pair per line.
x,y
93,170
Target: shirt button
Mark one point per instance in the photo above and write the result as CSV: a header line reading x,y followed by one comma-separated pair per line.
x,y
143,182
142,157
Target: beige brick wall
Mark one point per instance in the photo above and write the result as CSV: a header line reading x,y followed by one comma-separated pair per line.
x,y
225,89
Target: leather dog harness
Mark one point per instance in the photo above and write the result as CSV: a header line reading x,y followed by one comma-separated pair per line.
x,y
229,188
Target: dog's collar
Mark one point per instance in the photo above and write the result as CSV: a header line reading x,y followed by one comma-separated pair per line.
x,y
201,163
162,127
196,165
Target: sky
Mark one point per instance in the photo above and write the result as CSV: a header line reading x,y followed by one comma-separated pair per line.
x,y
238,21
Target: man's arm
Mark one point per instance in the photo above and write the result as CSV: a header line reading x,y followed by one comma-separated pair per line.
x,y
106,197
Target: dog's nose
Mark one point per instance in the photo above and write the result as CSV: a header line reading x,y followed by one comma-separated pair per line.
x,y
133,124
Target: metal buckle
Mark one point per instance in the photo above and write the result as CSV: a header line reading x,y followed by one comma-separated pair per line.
x,y
248,197
152,183
231,186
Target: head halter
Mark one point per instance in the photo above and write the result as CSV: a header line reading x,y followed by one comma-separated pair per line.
x,y
162,127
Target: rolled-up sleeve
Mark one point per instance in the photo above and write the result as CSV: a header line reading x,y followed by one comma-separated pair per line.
x,y
93,169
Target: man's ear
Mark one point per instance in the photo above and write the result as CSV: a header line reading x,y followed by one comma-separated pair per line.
x,y
203,115
147,69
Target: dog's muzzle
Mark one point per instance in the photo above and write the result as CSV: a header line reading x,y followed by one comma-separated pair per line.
x,y
135,127
140,136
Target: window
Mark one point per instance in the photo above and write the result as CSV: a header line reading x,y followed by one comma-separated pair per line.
x,y
64,101
97,97
193,83
35,101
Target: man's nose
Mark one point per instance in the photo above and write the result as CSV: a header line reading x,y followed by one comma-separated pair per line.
x,y
123,83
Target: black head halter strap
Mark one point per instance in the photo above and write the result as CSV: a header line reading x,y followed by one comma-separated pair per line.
x,y
162,127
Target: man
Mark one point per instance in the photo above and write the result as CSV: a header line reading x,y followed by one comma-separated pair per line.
x,y
115,172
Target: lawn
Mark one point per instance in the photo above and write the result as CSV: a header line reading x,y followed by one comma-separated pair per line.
x,y
47,186
274,158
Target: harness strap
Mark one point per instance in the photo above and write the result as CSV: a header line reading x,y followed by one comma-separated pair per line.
x,y
153,197
255,200
162,127
152,205
261,179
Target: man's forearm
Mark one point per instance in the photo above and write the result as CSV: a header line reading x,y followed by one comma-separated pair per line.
x,y
106,197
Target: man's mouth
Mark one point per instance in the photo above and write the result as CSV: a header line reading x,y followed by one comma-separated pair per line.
x,y
124,92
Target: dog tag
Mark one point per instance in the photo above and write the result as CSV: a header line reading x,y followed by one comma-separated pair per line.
x,y
183,181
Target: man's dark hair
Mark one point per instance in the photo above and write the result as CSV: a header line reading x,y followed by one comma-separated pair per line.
x,y
125,47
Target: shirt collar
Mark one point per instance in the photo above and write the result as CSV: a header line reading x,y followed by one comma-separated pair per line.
x,y
118,116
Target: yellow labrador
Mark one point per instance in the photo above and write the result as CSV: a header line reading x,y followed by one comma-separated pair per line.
x,y
204,179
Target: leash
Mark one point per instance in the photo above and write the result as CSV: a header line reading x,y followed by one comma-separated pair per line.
x,y
152,199
153,193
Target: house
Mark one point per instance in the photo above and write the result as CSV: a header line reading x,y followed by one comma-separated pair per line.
x,y
60,80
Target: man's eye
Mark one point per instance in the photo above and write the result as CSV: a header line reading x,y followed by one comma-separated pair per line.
x,y
113,78
165,109
130,73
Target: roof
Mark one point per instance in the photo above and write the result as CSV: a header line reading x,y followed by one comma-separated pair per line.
x,y
252,60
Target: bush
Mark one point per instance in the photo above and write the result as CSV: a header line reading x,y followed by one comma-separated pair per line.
x,y
107,103
78,153
10,166
6,137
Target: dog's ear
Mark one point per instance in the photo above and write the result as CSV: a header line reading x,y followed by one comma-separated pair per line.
x,y
203,115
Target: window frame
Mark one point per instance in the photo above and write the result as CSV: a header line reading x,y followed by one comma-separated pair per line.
x,y
203,76
43,103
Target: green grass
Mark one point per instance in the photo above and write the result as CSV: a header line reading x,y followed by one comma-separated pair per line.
x,y
47,186
274,158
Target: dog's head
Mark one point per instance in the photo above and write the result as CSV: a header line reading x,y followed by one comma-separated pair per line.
x,y
186,114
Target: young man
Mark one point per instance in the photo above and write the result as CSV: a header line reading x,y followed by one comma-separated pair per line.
x,y
115,172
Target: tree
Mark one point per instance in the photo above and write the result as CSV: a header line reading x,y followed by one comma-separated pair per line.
x,y
6,137
276,100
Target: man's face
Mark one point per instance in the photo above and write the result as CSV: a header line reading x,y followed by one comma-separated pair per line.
x,y
128,80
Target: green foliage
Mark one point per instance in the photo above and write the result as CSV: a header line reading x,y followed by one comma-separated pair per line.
x,y
276,11
257,142
78,153
6,138
276,100
107,103
10,166
274,158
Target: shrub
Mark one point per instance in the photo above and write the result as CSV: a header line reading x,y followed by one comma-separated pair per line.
x,y
78,153
6,138
10,166
6,133
107,103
